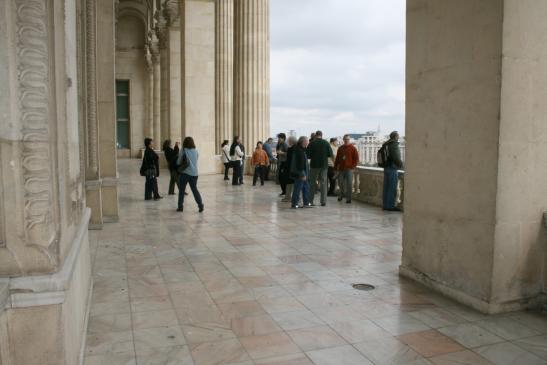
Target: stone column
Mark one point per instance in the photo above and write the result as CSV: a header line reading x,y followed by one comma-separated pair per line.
x,y
45,274
106,109
163,38
224,65
93,181
251,71
173,70
156,92
149,123
476,129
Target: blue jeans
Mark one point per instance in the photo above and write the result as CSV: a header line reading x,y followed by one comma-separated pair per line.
x,y
300,186
193,181
391,178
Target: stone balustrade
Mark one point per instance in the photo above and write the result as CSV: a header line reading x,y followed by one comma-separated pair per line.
x,y
368,186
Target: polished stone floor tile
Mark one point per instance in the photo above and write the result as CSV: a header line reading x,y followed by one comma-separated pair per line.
x,y
430,343
460,358
252,282
315,338
470,335
344,355
270,345
506,353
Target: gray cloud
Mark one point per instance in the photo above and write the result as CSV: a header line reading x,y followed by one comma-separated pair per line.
x,y
337,65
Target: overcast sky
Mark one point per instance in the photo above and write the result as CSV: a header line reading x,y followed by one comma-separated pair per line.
x,y
337,65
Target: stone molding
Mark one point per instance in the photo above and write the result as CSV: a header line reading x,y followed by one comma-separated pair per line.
x,y
109,181
93,184
34,76
172,13
50,289
91,79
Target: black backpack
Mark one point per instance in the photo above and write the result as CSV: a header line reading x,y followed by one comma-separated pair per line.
x,y
383,155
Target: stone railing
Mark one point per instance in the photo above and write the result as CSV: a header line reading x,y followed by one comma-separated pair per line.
x,y
369,185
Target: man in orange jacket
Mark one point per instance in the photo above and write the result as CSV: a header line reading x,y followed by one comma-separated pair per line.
x,y
346,162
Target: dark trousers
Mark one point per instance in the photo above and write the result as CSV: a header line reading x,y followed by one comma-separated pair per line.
x,y
241,171
227,166
267,172
281,173
391,178
332,181
301,187
185,179
237,172
260,171
174,180
151,188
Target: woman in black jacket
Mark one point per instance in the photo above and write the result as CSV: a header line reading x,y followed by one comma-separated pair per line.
x,y
285,173
171,158
300,172
150,169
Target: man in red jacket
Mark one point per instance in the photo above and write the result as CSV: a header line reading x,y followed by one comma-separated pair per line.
x,y
346,161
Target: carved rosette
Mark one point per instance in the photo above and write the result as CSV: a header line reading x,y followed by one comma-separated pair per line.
x,y
33,73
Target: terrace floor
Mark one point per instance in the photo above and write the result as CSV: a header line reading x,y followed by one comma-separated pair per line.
x,y
252,282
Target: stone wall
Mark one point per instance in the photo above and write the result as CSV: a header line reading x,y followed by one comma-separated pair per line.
x,y
371,185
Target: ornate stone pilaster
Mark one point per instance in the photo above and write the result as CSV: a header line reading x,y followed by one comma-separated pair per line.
x,y
162,32
40,210
172,70
93,182
224,68
251,71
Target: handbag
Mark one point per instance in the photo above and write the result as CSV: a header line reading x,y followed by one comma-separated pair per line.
x,y
183,164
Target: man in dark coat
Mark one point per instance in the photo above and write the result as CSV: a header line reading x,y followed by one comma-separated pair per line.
x,y
150,169
391,173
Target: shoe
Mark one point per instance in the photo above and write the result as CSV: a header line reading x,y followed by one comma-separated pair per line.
x,y
235,184
147,198
295,206
254,184
348,201
226,178
185,193
394,209
158,198
282,194
331,194
201,209
179,209
340,198
323,204
262,184
308,205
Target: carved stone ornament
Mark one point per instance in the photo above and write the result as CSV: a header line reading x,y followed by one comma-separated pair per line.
x,y
33,74
171,9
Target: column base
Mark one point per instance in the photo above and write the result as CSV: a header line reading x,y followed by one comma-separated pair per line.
x,y
94,202
465,299
109,195
45,320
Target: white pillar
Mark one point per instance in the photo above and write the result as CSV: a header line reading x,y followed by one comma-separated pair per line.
x,y
252,71
224,60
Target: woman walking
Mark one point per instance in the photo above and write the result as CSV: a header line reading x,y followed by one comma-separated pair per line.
x,y
236,154
225,156
260,161
150,169
188,169
171,158
300,171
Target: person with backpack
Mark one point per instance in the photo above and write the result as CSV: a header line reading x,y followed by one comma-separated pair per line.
x,y
346,162
150,169
389,157
187,167
225,157
319,151
171,155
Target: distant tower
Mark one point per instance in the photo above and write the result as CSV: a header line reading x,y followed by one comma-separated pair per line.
x,y
378,131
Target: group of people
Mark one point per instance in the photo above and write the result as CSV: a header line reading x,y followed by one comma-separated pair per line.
x,y
304,167
183,169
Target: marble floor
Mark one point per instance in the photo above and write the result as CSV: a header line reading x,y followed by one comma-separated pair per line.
x,y
252,282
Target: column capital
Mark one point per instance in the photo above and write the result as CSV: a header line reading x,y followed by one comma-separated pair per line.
x,y
154,46
171,12
161,28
